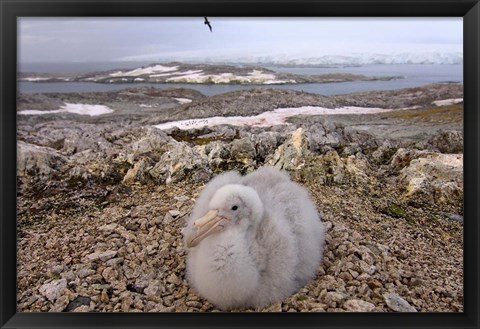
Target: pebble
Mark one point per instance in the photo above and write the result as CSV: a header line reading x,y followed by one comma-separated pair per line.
x,y
114,261
31,300
109,228
181,198
104,296
60,304
334,297
84,272
96,278
82,308
454,217
78,302
397,303
174,213
57,269
110,274
102,256
154,289
358,305
173,278
52,289
128,236
69,276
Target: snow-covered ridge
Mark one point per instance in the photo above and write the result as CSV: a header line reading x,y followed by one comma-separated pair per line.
x,y
173,74
34,79
446,102
280,115
254,77
361,59
266,119
146,70
82,109
357,55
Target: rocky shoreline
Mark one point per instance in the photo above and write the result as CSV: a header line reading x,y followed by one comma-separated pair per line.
x,y
102,199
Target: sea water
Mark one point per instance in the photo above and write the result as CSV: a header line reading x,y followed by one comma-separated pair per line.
x,y
412,75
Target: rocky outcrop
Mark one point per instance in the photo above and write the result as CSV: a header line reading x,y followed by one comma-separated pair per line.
x,y
36,160
447,141
180,161
327,152
291,154
434,176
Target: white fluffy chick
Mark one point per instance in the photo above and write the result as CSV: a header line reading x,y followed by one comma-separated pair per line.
x,y
252,240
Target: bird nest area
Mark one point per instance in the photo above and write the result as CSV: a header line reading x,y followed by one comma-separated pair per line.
x,y
120,249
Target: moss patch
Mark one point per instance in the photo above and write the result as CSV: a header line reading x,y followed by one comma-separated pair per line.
x,y
396,211
433,114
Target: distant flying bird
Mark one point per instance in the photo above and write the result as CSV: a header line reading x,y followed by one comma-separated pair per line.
x,y
208,23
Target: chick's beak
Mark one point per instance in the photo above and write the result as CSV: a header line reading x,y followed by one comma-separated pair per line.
x,y
206,225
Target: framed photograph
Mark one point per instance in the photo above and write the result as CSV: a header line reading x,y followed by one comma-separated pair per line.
x,y
278,164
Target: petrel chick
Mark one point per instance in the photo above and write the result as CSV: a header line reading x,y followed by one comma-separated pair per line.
x,y
253,240
208,23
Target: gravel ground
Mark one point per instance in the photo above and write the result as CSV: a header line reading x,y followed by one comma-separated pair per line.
x,y
118,248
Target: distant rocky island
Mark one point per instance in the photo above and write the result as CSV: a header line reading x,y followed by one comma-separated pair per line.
x,y
197,74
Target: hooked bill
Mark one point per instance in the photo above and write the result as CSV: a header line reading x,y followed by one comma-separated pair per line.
x,y
206,225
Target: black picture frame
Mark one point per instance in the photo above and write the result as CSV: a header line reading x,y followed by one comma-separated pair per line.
x,y
10,10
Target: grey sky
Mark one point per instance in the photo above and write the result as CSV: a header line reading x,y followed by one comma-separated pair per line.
x,y
119,39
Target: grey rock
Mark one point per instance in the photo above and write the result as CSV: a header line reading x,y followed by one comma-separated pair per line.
x,y
243,151
114,261
154,289
69,276
447,141
52,289
110,274
109,228
82,309
57,269
397,303
84,272
101,256
266,143
60,304
179,161
358,305
333,297
38,160
453,217
77,303
437,176
142,282
384,153
139,172
152,140
174,213
95,278
403,157
323,133
173,279
219,155
291,155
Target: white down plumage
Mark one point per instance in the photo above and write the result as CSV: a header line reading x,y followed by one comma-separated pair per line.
x,y
253,240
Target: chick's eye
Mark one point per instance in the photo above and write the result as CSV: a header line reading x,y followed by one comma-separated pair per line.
x,y
234,208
